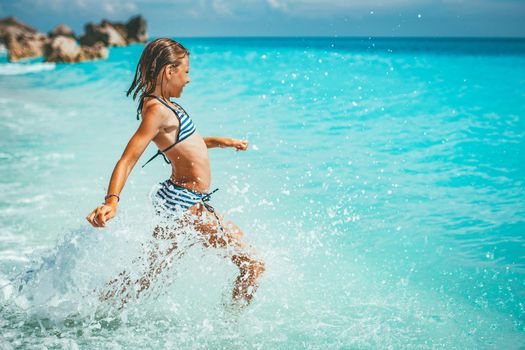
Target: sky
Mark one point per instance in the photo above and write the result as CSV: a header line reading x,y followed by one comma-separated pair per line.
x,y
210,18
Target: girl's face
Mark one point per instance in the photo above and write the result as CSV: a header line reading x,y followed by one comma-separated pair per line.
x,y
178,77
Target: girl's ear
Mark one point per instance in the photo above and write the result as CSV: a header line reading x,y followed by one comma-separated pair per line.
x,y
170,70
167,71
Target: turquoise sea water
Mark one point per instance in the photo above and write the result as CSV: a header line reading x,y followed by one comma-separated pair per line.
x,y
384,187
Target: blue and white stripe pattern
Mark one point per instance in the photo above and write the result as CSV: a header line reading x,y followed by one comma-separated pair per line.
x,y
187,128
175,199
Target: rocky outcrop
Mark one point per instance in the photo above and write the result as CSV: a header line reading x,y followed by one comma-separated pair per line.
x,y
136,30
116,33
23,41
26,45
119,27
95,52
62,49
10,26
104,33
66,49
61,30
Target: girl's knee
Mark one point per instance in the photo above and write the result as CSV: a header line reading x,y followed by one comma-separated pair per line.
x,y
260,267
244,261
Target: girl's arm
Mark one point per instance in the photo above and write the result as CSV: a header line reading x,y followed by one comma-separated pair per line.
x,y
222,142
149,127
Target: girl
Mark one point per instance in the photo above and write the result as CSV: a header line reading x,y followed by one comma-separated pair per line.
x,y
161,73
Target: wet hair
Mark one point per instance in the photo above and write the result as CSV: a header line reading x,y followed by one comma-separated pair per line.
x,y
156,55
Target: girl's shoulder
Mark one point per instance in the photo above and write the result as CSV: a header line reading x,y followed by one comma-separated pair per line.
x,y
151,108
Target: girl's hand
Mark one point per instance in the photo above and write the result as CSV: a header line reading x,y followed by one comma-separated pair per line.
x,y
240,145
101,214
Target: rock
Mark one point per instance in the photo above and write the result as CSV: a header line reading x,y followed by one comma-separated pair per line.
x,y
119,27
24,41
115,39
12,26
97,51
25,45
92,35
21,40
104,33
136,29
63,49
61,30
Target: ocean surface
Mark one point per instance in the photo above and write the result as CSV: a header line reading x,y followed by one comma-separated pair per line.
x,y
383,187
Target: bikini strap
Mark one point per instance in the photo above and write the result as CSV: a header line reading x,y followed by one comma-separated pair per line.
x,y
169,147
159,152
161,100
181,108
141,103
139,108
207,196
205,199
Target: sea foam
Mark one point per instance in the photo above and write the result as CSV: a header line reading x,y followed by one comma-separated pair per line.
x,y
24,68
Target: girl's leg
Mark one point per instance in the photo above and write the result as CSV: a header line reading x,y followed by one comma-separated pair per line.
x,y
158,259
228,236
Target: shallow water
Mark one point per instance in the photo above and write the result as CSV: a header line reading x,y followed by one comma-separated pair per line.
x,y
383,187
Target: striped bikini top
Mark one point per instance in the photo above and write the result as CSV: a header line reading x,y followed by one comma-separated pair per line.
x,y
186,127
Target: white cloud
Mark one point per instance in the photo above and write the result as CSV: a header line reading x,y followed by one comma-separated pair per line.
x,y
201,9
278,5
222,7
108,7
246,10
117,7
102,7
81,3
322,8
295,8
